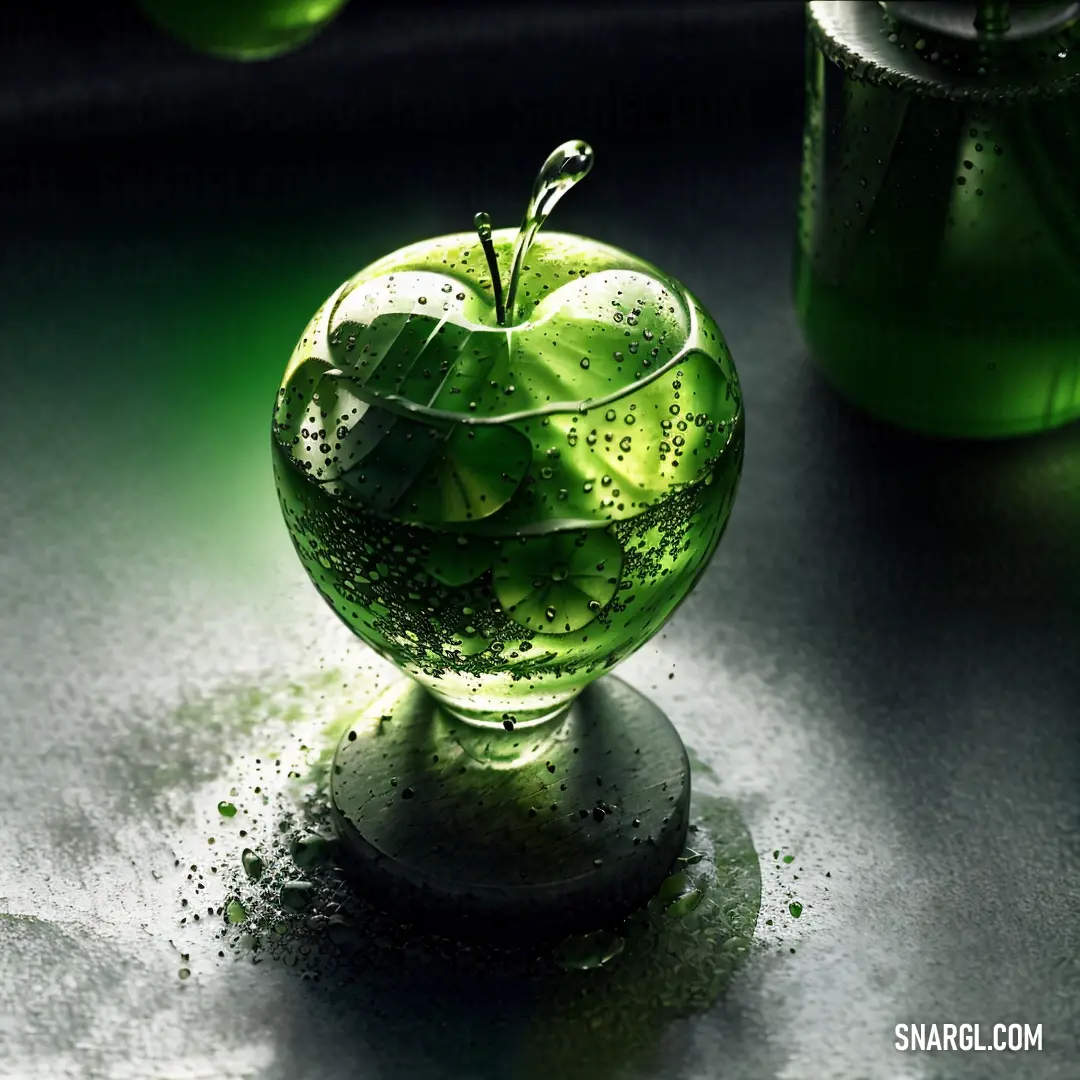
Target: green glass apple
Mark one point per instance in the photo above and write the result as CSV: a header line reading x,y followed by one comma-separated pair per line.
x,y
242,29
506,498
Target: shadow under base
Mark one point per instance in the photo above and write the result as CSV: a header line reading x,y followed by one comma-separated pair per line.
x,y
557,829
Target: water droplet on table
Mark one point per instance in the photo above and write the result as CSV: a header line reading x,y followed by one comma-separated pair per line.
x,y
296,895
253,865
586,952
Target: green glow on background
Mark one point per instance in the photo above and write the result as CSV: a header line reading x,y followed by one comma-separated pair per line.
x,y
157,378
230,338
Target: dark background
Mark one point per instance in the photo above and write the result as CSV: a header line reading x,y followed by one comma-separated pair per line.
x,y
880,666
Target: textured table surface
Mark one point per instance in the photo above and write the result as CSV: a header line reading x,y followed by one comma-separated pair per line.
x,y
879,670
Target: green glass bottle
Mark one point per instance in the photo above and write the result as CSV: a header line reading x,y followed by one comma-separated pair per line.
x,y
242,29
938,264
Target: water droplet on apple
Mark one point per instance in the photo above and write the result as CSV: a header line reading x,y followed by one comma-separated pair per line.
x,y
565,166
482,222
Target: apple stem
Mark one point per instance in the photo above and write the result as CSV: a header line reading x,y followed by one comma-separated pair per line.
x,y
483,228
564,167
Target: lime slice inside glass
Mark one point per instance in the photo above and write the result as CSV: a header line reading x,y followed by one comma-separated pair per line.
x,y
558,583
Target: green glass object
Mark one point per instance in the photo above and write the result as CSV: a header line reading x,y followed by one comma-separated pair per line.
x,y
938,266
506,494
242,29
505,491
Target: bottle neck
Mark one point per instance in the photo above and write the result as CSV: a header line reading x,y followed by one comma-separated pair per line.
x,y
973,20
934,47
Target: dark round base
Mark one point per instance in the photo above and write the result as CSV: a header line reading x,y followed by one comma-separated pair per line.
x,y
473,832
